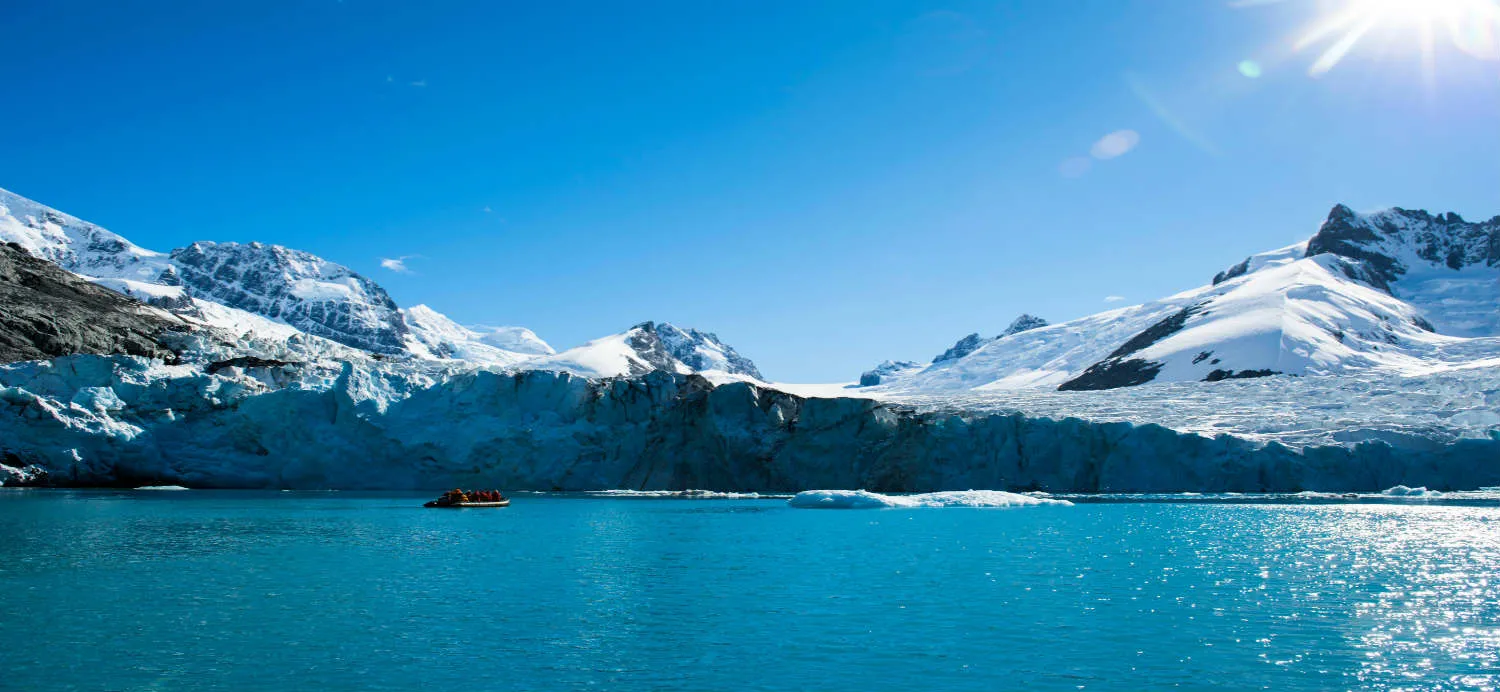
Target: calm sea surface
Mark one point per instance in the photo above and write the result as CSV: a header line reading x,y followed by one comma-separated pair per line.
x,y
142,590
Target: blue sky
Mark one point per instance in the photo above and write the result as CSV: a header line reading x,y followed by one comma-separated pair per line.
x,y
823,184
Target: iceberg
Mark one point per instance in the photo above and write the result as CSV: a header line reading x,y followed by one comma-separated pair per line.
x,y
1404,491
864,499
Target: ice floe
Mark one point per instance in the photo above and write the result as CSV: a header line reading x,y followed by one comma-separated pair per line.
x,y
864,499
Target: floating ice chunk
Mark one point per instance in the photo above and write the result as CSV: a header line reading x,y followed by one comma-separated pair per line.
x,y
863,499
1404,491
685,494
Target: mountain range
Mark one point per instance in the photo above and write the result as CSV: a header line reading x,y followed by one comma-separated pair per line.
x,y
1395,291
255,365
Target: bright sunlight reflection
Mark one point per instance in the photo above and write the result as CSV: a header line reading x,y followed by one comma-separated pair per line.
x,y
1472,26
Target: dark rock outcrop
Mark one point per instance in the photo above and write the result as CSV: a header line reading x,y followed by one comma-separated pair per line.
x,y
1220,375
47,312
1232,272
310,293
1025,323
964,347
702,350
1373,242
1118,369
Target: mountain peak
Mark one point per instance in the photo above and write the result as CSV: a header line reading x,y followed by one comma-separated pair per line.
x,y
1025,322
1382,247
702,350
308,292
961,348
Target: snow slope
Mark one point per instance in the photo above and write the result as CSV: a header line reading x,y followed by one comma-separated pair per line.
x,y
635,351
652,346
1391,292
431,334
76,245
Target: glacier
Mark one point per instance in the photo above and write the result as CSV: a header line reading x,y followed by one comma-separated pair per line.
x,y
130,421
1366,358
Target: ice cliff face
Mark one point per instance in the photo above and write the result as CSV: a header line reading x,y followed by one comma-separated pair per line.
x,y
125,421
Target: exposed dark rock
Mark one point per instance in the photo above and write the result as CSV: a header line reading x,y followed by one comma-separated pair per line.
x,y
46,312
1025,323
1113,374
973,342
1218,375
964,347
647,344
247,362
1232,272
1119,370
269,280
1371,242
1157,332
688,346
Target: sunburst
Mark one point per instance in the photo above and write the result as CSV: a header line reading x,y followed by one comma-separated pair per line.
x,y
1472,26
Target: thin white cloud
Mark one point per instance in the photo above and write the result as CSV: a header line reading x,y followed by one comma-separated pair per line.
x,y
1113,299
1117,143
397,264
1075,167
419,83
487,209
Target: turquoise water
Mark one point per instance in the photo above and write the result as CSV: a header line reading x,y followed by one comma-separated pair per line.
x,y
139,590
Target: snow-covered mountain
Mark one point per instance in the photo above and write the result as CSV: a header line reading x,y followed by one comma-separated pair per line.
x,y
1396,290
291,292
303,290
647,347
221,284
703,351
892,371
1390,316
433,335
1446,267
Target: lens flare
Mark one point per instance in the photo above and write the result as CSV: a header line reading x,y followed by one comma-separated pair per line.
x,y
1472,26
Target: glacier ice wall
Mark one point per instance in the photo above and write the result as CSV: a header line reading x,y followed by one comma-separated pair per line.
x,y
121,420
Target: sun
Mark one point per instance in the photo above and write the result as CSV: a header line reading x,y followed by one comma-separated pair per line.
x,y
1472,26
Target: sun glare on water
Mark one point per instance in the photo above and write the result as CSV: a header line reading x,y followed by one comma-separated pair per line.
x,y
1472,26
